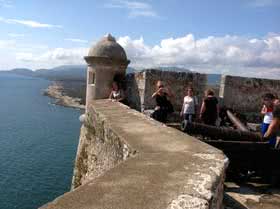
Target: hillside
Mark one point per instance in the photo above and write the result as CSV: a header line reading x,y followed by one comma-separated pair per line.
x,y
78,73
72,78
20,71
65,72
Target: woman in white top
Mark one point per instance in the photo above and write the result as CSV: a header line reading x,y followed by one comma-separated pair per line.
x,y
116,94
189,105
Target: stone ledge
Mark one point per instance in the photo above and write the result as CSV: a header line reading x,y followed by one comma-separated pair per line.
x,y
169,170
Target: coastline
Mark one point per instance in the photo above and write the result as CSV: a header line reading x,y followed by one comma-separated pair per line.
x,y
56,91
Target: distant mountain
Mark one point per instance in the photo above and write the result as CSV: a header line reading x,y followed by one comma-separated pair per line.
x,y
176,69
20,71
64,72
73,72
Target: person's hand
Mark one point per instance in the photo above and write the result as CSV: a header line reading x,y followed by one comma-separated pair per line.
x,y
161,90
261,136
181,114
157,107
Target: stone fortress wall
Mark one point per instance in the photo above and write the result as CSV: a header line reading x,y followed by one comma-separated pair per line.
x,y
242,94
127,160
141,86
245,94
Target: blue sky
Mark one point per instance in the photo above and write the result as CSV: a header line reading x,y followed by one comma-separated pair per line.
x,y
223,36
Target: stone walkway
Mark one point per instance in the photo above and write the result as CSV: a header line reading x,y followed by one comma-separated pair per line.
x,y
251,196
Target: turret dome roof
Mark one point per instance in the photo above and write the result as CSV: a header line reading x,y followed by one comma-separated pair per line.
x,y
107,47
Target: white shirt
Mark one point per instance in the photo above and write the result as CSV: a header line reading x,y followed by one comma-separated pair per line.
x,y
189,104
268,117
116,94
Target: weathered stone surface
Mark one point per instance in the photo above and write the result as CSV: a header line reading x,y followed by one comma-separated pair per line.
x,y
141,86
244,94
151,166
109,48
135,90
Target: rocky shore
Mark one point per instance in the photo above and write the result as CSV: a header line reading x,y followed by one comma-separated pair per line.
x,y
57,91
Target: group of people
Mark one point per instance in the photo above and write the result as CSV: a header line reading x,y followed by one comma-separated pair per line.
x,y
208,113
209,110
271,118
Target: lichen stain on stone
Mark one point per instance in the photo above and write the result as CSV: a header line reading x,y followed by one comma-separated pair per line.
x,y
188,202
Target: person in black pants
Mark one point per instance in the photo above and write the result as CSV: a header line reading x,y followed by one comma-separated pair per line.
x,y
209,109
163,105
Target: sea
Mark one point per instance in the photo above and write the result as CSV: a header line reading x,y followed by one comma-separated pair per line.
x,y
38,143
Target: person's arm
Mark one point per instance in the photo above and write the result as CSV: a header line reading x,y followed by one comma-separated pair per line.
x,y
122,96
264,110
202,110
169,92
218,109
111,95
273,127
182,110
156,93
196,108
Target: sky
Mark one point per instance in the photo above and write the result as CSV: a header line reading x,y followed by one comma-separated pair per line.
x,y
238,37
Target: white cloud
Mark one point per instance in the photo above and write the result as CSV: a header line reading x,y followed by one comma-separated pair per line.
x,y
7,44
57,56
6,4
16,35
236,55
25,57
228,54
29,23
263,3
76,40
135,8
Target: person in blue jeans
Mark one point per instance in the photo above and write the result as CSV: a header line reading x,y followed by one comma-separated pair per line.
x,y
190,105
267,111
274,127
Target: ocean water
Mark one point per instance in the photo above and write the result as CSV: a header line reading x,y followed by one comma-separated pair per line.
x,y
38,143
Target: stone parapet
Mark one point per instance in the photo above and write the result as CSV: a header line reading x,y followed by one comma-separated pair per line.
x,y
127,160
245,94
141,86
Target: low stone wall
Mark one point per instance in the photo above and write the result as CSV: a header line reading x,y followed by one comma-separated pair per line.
x,y
141,86
244,94
150,165
100,149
